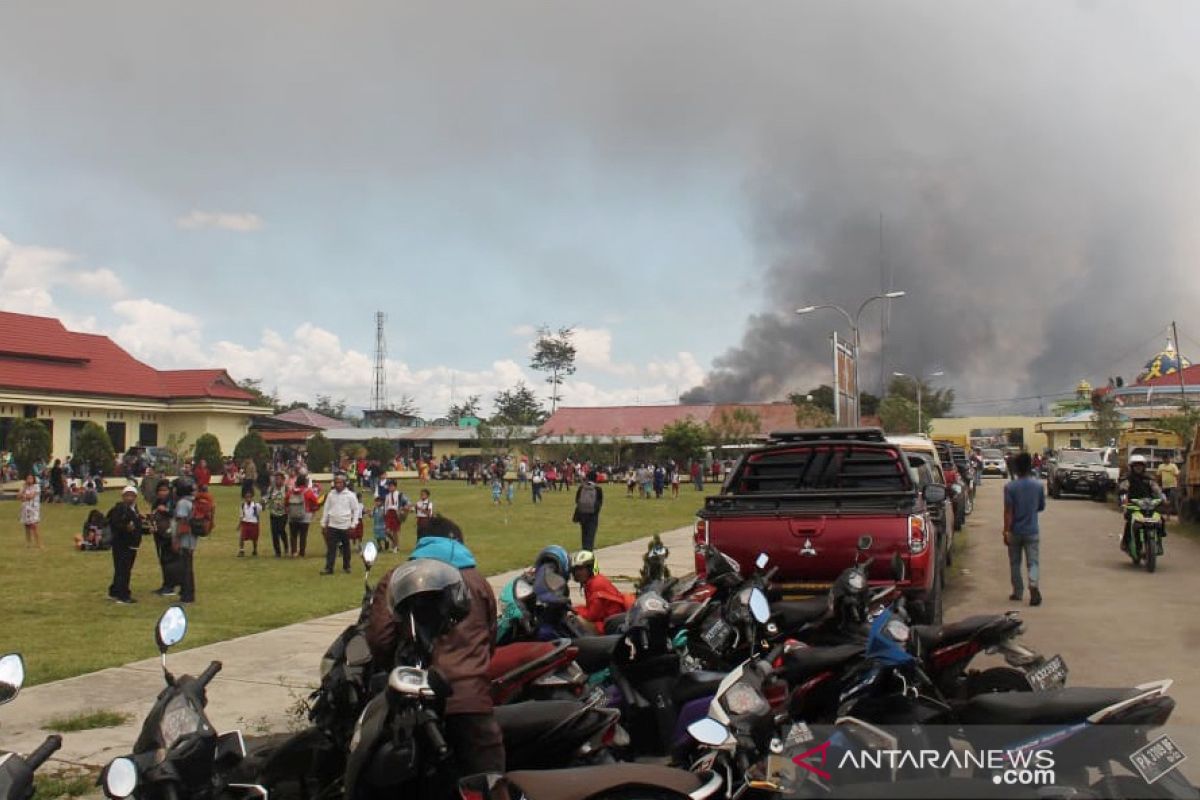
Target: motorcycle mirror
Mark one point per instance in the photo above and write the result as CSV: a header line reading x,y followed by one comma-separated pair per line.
x,y
12,676
172,626
708,731
865,542
370,552
762,561
760,609
897,567
120,778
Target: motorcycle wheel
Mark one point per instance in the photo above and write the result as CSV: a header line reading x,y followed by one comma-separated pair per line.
x,y
997,679
1135,549
1127,786
1151,554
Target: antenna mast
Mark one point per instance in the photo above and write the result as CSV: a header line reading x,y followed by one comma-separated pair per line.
x,y
379,390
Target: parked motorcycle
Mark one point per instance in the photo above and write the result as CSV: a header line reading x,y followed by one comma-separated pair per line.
x,y
178,753
16,773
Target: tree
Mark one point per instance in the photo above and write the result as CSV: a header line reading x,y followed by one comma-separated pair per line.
x,y
868,404
733,427
327,406
821,397
898,414
381,450
810,415
1182,424
29,442
261,398
93,446
683,440
1107,421
554,353
518,406
934,402
208,447
320,453
467,408
253,447
406,405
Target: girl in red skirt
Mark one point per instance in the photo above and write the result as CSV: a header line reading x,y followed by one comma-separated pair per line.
x,y
248,528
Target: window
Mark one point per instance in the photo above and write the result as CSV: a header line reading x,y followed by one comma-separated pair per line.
x,y
6,424
148,434
76,429
116,433
823,468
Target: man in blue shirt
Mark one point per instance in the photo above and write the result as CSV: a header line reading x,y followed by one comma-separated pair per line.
x,y
1024,499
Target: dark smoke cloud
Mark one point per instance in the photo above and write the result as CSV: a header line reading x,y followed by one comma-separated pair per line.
x,y
1034,165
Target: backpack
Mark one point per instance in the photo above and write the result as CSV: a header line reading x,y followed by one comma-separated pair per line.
x,y
297,506
202,514
586,504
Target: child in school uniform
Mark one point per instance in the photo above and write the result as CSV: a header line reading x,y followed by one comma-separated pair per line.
x,y
509,491
497,488
424,510
248,526
355,534
379,525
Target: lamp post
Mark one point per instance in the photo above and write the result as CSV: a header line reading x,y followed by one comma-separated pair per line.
x,y
920,381
853,322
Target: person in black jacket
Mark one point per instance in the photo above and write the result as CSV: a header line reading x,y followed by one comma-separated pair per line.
x,y
126,526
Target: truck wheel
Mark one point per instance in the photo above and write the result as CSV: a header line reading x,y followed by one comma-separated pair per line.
x,y
930,612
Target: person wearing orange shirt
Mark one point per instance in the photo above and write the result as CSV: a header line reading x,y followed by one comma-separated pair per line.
x,y
602,597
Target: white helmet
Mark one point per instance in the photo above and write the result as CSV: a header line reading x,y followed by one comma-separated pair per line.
x,y
584,558
1139,459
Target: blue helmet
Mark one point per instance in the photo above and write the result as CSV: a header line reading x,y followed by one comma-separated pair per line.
x,y
555,554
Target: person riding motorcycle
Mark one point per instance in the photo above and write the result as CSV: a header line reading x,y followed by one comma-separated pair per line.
x,y
1138,485
604,600
462,654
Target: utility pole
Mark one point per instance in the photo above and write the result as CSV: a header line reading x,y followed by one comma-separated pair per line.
x,y
379,390
1179,366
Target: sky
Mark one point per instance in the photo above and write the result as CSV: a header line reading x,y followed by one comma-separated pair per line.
x,y
245,184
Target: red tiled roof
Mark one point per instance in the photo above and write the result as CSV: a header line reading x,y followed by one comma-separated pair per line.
x,y
39,354
284,436
634,420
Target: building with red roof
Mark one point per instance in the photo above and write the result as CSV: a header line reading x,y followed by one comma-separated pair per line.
x,y
644,424
67,379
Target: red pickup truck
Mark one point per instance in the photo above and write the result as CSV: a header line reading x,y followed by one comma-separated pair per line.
x,y
806,497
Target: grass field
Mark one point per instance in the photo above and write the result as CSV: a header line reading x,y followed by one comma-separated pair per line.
x,y
54,609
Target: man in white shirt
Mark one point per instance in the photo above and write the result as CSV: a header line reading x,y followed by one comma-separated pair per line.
x,y
341,514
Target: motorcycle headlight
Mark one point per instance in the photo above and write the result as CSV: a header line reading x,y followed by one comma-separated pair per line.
x,y
743,699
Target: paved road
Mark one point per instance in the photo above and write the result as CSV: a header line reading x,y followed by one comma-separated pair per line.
x,y
1115,625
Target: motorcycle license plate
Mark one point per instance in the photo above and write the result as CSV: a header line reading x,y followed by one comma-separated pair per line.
x,y
797,735
1050,675
716,634
1157,758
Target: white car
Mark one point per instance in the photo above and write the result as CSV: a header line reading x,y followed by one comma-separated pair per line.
x,y
994,463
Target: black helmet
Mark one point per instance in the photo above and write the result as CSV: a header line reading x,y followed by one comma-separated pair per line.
x,y
184,486
429,595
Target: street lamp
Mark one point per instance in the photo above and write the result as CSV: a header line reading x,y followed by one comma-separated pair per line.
x,y
919,380
853,322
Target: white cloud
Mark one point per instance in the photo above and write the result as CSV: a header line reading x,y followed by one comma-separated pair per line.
x,y
312,360
242,222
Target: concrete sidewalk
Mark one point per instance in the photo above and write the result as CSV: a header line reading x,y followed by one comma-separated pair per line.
x,y
263,676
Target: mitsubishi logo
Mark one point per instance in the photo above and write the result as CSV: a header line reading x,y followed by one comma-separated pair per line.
x,y
808,549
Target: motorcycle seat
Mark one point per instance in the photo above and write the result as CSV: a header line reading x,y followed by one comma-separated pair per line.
x,y
932,636
790,615
806,662
694,685
1054,706
680,611
595,652
519,657
583,782
523,723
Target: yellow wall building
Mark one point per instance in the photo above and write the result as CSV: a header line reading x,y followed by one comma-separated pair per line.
x,y
67,379
1017,431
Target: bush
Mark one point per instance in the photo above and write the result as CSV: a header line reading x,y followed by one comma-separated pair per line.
x,y
320,453
29,442
381,450
253,447
95,448
208,447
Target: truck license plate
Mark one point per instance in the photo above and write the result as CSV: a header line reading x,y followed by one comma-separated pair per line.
x,y
1157,758
1050,675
